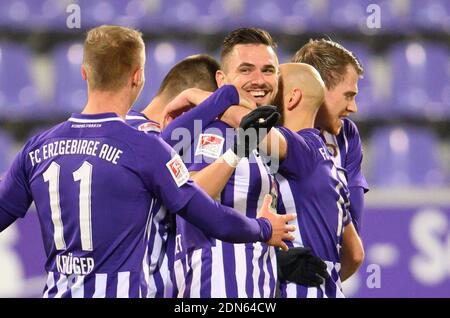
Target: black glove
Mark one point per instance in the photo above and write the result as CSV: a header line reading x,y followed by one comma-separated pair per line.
x,y
253,128
298,265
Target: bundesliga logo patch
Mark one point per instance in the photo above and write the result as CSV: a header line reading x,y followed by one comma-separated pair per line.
x,y
209,145
178,170
146,127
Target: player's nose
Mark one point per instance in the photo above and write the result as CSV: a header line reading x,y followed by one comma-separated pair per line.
x,y
258,78
352,107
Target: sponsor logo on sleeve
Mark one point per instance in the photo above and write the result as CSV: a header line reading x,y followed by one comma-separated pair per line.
x,y
178,170
149,126
209,145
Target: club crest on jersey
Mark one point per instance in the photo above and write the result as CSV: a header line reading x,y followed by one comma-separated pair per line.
x,y
209,145
149,126
178,170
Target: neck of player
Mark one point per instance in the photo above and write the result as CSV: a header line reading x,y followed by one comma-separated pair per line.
x,y
107,102
298,120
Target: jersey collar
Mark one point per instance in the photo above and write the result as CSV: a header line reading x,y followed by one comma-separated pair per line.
x,y
95,118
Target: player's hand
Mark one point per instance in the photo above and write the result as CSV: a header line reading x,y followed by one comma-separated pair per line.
x,y
280,228
253,129
186,100
298,265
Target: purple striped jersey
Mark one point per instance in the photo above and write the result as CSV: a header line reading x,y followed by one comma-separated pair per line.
x,y
161,232
346,150
312,186
206,267
93,179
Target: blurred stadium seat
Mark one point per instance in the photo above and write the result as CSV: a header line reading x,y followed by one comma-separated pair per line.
x,y
431,15
287,16
6,148
135,13
161,56
405,156
70,89
203,16
421,80
36,14
18,94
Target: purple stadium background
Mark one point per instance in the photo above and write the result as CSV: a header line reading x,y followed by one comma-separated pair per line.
x,y
403,110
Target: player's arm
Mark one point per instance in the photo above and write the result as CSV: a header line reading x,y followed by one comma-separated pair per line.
x,y
15,195
213,178
352,252
6,219
167,179
229,225
210,106
356,206
357,183
274,145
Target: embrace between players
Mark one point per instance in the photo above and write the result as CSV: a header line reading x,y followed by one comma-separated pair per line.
x,y
265,201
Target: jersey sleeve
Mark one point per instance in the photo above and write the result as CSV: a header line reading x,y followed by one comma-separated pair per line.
x,y
15,192
164,174
354,158
203,114
300,156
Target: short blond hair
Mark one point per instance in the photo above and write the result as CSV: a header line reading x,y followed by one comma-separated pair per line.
x,y
329,58
111,53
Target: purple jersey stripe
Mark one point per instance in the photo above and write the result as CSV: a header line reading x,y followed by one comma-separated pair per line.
x,y
254,191
230,270
227,198
111,286
188,277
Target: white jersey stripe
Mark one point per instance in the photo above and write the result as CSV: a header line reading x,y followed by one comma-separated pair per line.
x,y
266,275
257,251
50,283
196,265
266,185
241,272
77,288
217,272
61,285
312,292
100,285
180,276
123,285
289,205
241,185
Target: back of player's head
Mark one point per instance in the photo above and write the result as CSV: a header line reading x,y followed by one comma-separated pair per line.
x,y
299,83
245,36
111,54
194,71
329,58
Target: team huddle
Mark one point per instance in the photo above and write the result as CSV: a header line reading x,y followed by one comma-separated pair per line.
x,y
241,178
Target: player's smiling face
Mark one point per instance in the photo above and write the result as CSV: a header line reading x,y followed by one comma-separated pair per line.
x,y
253,69
339,102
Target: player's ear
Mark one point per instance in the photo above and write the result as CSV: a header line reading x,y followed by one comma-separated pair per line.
x,y
294,99
138,77
220,78
83,72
